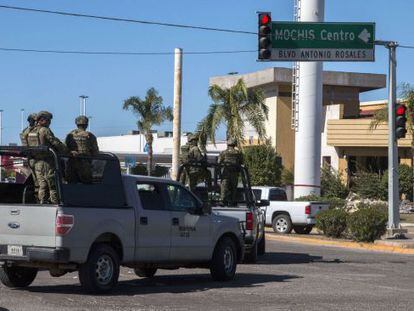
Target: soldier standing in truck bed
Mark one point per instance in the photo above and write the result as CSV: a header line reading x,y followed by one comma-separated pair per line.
x,y
231,159
81,143
44,165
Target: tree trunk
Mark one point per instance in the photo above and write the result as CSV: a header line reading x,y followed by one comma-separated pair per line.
x,y
149,139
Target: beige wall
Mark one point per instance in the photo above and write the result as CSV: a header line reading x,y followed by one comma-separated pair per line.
x,y
285,135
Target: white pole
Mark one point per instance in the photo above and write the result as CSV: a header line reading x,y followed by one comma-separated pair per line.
x,y
80,105
90,123
178,78
308,135
82,102
1,143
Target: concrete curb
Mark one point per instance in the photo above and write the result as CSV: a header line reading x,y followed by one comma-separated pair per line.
x,y
378,247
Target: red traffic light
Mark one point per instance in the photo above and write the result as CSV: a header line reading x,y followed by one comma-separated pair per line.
x,y
400,110
265,19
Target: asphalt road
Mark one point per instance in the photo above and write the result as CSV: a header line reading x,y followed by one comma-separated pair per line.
x,y
289,277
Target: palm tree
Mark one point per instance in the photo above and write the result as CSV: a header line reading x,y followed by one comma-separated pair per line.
x,y
150,111
381,116
233,107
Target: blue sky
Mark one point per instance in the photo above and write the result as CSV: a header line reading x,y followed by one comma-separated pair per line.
x,y
54,82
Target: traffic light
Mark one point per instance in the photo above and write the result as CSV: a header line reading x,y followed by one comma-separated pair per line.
x,y
265,29
400,121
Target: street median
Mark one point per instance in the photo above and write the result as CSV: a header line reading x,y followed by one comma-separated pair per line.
x,y
389,246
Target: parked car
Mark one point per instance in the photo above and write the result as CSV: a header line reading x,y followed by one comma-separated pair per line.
x,y
286,216
139,222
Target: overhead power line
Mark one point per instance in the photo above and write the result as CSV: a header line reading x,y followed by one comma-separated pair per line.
x,y
406,46
121,53
128,20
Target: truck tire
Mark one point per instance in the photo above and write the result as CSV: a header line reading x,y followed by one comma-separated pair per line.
x,y
261,248
224,263
302,229
145,272
282,224
17,277
101,272
251,257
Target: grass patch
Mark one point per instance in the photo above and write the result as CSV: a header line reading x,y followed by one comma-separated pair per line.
x,y
407,218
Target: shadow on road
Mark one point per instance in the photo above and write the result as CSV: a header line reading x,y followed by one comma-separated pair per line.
x,y
292,258
3,309
175,284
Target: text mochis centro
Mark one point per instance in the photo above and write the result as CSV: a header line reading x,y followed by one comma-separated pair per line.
x,y
303,41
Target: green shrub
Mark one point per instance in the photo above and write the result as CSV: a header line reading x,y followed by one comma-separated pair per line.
x,y
406,181
367,224
331,184
264,165
332,222
287,177
368,185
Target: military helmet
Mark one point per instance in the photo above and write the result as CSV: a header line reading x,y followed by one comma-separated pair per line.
x,y
44,115
81,120
231,142
192,138
32,117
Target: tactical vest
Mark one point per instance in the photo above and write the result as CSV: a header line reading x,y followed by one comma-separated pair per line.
x,y
233,158
23,139
184,154
33,139
82,141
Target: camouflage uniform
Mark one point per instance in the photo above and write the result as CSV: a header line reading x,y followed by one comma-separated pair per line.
x,y
195,173
44,165
81,143
231,158
23,137
184,160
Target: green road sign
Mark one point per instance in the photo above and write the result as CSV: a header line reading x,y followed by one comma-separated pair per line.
x,y
297,41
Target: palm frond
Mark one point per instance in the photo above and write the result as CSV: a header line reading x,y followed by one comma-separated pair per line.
x,y
380,116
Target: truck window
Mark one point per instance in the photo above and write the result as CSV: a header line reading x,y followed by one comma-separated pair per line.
x,y
150,196
180,198
257,194
277,195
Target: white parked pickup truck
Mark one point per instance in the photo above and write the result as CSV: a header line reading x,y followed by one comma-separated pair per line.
x,y
284,216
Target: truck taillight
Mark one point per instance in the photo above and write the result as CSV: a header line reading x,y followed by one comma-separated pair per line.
x,y
64,224
308,210
249,221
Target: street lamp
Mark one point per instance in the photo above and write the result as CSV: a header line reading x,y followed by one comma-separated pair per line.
x,y
90,123
82,100
21,120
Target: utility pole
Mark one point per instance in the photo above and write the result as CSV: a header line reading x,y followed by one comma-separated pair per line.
x,y
308,130
22,120
82,109
178,79
1,143
394,229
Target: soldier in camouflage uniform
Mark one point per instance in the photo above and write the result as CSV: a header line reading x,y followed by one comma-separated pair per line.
x,y
80,143
195,172
232,159
44,165
184,160
23,137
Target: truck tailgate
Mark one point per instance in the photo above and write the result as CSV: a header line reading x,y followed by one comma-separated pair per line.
x,y
235,212
28,225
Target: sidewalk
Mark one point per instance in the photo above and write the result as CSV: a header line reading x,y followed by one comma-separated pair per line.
x,y
391,246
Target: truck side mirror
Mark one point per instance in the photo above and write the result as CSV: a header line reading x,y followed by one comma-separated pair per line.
x,y
262,203
206,208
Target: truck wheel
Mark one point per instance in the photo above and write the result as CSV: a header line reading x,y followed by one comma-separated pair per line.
x,y
282,224
224,263
302,229
101,272
261,249
145,272
251,257
17,276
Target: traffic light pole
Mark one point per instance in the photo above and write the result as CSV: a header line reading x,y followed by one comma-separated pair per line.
x,y
394,228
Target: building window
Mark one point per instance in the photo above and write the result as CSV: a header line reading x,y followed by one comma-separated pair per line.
x,y
326,161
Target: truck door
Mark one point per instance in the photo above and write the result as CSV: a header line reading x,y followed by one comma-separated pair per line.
x,y
190,232
153,224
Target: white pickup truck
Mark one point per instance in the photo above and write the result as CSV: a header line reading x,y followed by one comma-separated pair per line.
x,y
283,215
135,221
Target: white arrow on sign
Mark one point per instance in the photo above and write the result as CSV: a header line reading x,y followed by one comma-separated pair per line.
x,y
364,35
